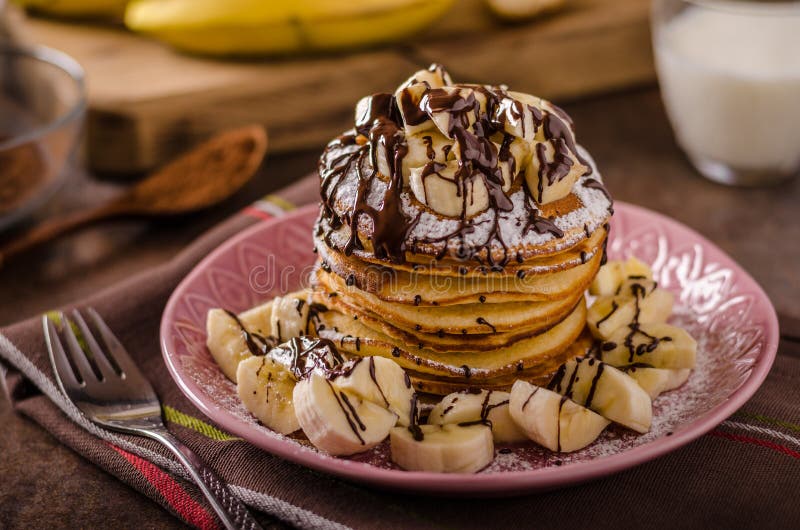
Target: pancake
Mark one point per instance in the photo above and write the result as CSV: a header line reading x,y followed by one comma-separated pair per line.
x,y
419,288
465,319
538,375
445,342
490,238
354,338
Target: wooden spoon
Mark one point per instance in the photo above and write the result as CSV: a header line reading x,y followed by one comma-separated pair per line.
x,y
203,177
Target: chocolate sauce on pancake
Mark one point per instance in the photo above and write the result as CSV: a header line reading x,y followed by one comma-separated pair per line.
x,y
379,132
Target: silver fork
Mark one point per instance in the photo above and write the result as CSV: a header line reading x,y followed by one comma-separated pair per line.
x,y
114,394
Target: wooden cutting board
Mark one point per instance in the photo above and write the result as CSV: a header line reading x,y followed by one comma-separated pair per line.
x,y
147,102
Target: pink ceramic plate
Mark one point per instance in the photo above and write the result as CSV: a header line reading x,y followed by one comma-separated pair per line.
x,y
719,303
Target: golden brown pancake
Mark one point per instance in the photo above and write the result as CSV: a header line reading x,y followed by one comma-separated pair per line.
x,y
354,338
419,288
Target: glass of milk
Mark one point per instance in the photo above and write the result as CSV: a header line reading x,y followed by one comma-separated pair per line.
x,y
730,78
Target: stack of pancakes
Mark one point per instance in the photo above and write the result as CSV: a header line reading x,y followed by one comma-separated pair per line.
x,y
477,299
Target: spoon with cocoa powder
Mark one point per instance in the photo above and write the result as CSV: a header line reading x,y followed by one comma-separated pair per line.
x,y
203,177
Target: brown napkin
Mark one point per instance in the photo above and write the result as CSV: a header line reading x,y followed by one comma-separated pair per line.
x,y
743,474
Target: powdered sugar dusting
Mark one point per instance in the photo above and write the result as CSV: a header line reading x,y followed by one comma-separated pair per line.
x,y
592,213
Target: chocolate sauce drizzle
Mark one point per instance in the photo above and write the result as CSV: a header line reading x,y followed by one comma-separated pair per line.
x,y
379,132
486,408
257,344
614,307
651,342
304,355
557,382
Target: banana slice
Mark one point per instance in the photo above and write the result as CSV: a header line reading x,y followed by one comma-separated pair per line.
x,y
517,118
447,448
512,160
337,421
436,76
487,405
550,174
381,381
415,119
231,342
658,345
438,187
611,275
410,93
606,390
451,105
289,316
265,387
656,381
553,421
426,147
639,300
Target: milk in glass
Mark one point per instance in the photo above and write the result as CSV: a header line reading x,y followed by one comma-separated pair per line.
x,y
730,77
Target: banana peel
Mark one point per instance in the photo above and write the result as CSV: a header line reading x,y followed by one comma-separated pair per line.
x,y
107,9
255,27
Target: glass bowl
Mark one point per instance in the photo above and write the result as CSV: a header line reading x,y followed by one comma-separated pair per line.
x,y
42,106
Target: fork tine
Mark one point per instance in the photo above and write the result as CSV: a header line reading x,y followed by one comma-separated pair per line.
x,y
58,358
100,359
118,351
78,355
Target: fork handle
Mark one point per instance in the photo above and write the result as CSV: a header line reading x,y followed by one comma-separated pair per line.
x,y
231,511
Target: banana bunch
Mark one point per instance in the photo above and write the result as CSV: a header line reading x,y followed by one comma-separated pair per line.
x,y
77,8
255,27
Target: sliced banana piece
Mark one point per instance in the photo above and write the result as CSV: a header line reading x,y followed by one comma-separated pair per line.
x,y
550,175
552,420
435,76
381,381
337,421
230,342
438,187
289,316
265,387
447,448
639,301
656,381
488,405
658,345
449,105
517,118
426,147
610,276
513,160
409,95
606,390
415,119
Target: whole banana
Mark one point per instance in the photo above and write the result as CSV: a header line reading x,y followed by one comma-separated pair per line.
x,y
255,27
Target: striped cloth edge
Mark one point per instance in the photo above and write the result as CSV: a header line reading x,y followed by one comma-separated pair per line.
x,y
166,475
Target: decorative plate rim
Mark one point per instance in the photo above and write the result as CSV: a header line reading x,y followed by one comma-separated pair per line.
x,y
493,484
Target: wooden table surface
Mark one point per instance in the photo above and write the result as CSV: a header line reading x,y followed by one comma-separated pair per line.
x,y
629,137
